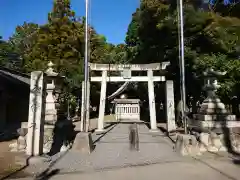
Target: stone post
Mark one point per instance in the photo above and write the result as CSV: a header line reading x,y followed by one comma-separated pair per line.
x,y
35,118
152,107
102,102
170,109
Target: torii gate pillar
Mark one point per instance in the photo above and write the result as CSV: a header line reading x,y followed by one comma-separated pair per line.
x,y
102,102
152,106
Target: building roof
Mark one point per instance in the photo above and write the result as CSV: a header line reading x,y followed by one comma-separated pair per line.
x,y
126,101
14,75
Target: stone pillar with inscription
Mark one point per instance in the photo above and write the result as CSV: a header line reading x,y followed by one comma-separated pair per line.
x,y
35,118
170,109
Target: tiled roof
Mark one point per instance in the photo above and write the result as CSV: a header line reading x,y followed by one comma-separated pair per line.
x,y
5,72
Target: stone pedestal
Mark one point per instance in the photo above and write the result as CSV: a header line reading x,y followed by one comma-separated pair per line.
x,y
48,138
216,123
213,116
83,143
187,145
212,142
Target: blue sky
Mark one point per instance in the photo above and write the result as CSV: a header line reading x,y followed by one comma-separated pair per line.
x,y
109,17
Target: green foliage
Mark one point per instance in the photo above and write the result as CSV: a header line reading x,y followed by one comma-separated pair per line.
x,y
4,51
61,41
8,56
231,9
211,40
24,38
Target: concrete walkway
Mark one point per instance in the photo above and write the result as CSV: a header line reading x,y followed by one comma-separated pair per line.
x,y
112,151
165,171
156,159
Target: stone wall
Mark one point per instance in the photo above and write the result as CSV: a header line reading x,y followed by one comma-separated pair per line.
x,y
198,143
21,143
219,142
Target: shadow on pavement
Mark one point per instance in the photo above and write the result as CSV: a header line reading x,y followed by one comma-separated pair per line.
x,y
16,173
109,127
47,174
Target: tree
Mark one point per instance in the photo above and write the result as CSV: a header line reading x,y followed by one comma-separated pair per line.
x,y
8,56
154,36
116,54
24,37
225,7
4,51
23,40
60,41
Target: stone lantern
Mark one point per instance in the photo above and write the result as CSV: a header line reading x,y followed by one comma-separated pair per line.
x,y
53,89
212,104
53,84
212,113
212,121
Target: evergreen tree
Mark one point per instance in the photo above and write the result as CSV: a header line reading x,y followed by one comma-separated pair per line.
x,y
154,35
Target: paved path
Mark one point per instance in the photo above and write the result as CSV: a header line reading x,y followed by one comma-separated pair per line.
x,y
112,151
164,171
156,159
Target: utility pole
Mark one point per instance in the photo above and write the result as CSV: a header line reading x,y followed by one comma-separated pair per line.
x,y
182,67
86,70
83,141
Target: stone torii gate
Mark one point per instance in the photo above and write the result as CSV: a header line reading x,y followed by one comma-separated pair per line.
x,y
126,70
